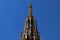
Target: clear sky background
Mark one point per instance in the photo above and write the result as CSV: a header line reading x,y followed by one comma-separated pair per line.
x,y
14,12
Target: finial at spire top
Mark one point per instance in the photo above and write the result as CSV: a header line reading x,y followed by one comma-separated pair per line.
x,y
30,9
31,5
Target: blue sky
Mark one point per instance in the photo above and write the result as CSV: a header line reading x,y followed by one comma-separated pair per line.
x,y
14,12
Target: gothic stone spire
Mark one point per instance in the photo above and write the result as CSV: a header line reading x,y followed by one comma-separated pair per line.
x,y
30,27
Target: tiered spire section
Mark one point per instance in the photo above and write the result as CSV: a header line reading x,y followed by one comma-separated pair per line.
x,y
30,28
